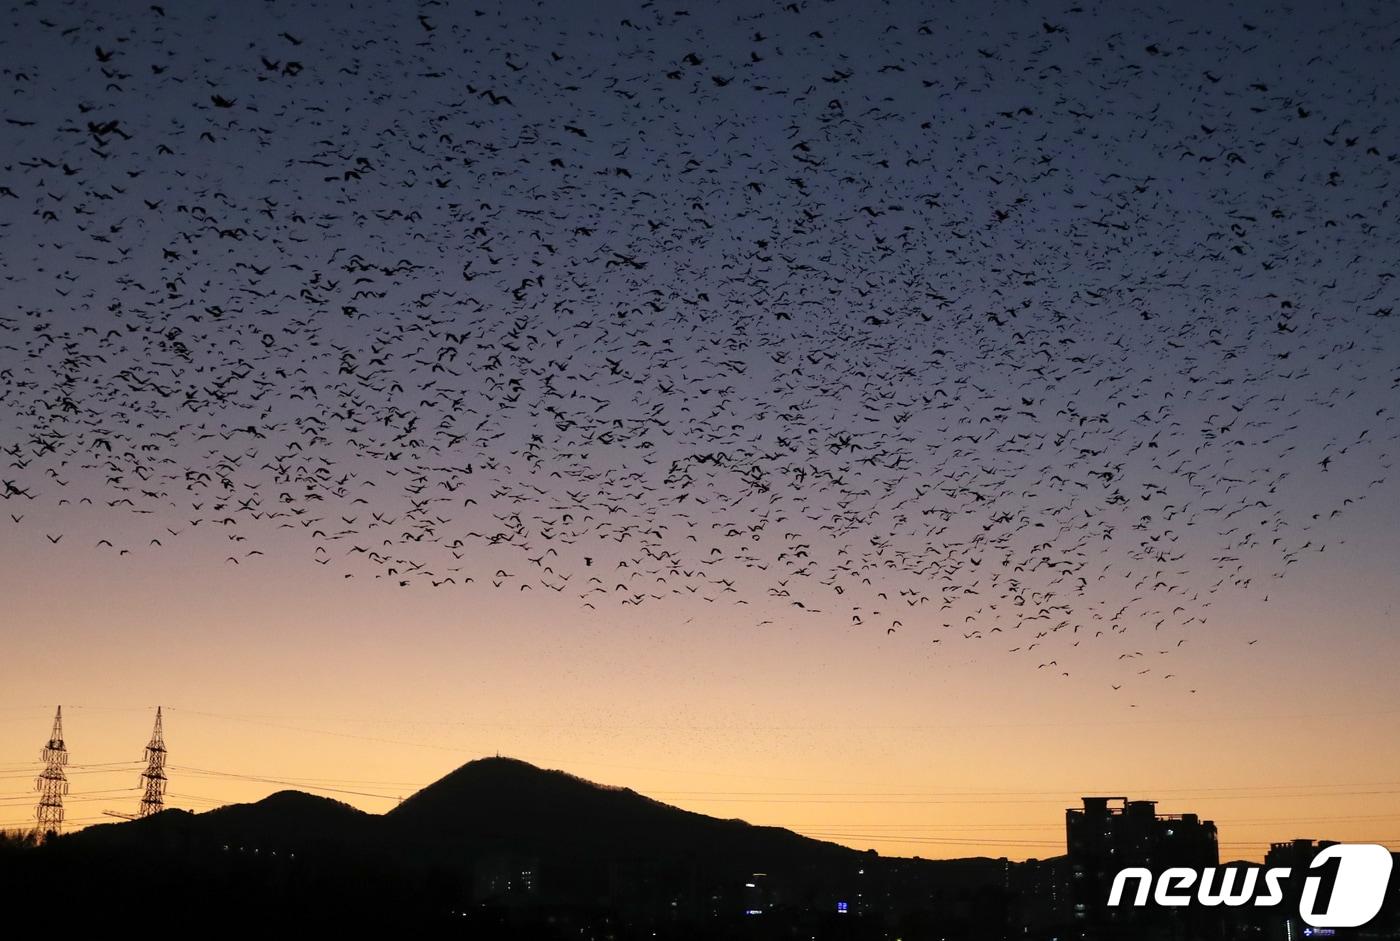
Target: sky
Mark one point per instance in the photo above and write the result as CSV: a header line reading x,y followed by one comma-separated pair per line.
x,y
885,425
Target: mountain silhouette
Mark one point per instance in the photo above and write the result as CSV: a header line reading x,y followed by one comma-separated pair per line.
x,y
503,804
283,818
497,835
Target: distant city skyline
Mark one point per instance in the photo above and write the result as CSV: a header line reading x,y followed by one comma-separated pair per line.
x,y
501,844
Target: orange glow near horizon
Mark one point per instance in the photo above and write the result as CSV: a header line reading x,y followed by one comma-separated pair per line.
x,y
296,676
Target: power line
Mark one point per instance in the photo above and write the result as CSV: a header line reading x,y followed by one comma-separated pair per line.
x,y
1055,792
823,797
966,800
266,780
973,841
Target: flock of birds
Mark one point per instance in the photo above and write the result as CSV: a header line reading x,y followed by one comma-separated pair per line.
x,y
999,325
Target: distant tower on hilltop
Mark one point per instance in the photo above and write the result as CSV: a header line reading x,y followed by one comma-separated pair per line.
x,y
52,782
153,801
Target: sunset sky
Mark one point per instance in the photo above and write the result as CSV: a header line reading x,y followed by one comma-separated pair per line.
x,y
303,677
889,426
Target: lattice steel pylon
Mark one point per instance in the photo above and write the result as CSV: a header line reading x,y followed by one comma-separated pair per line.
x,y
52,783
153,800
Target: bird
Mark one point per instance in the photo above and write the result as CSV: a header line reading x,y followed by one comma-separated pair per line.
x,y
950,341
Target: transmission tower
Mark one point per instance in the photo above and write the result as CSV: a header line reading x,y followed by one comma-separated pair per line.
x,y
153,801
52,782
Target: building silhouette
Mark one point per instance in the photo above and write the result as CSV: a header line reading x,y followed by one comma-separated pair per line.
x,y
1109,834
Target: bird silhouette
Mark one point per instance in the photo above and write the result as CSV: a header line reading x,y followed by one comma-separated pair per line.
x,y
1056,360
